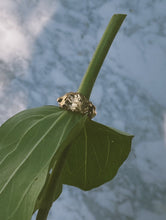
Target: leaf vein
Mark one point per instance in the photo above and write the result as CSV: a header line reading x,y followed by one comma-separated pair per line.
x,y
108,152
28,155
22,138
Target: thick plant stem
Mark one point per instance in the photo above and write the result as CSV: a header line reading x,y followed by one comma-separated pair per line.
x,y
100,54
48,197
85,89
43,213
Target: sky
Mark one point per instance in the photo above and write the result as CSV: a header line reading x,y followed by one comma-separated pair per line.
x,y
45,48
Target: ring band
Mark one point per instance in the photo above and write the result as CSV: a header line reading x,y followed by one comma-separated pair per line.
x,y
76,102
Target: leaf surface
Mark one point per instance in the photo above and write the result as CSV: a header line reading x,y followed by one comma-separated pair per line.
x,y
95,156
28,142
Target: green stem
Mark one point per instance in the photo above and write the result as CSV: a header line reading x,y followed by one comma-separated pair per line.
x,y
48,197
85,89
100,54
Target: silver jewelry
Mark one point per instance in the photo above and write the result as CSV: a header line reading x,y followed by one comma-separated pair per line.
x,y
76,102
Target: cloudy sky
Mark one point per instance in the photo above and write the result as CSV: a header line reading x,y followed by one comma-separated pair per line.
x,y
45,48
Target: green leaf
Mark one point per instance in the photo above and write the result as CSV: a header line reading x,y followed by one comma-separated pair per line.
x,y
28,143
56,191
95,156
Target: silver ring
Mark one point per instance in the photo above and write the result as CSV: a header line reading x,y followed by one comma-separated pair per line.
x,y
76,102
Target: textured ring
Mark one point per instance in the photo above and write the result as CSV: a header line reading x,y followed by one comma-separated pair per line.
x,y
76,102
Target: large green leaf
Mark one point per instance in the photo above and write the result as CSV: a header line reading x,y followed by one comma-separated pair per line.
x,y
28,142
95,156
